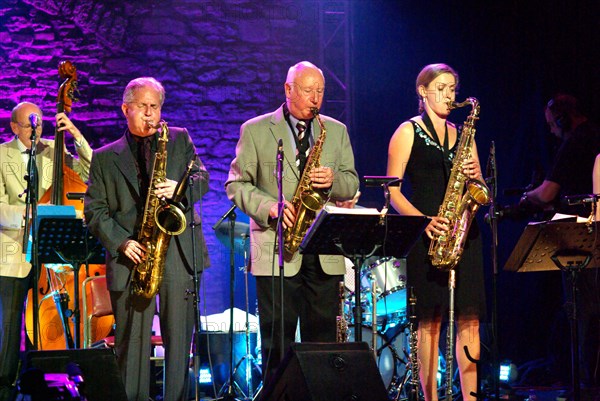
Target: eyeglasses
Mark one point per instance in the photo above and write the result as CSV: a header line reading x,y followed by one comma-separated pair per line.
x,y
319,91
28,125
143,106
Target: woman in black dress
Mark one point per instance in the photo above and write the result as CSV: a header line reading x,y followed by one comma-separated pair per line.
x,y
422,151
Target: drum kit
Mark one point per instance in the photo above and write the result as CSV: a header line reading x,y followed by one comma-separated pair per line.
x,y
383,284
383,301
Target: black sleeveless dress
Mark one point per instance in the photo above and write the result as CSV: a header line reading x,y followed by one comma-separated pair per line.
x,y
427,174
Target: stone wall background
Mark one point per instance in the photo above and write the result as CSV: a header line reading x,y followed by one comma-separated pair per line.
x,y
221,62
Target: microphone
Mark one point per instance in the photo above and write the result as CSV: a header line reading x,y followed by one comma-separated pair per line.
x,y
280,150
490,170
378,181
226,215
279,167
34,120
580,199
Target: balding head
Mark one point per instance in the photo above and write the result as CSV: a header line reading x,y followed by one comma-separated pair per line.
x,y
20,124
304,89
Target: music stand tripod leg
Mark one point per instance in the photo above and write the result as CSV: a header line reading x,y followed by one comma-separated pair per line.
x,y
573,268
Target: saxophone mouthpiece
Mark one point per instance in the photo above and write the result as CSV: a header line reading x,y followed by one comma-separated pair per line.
x,y
158,126
452,105
315,111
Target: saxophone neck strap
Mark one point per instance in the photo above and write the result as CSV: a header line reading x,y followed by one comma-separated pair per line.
x,y
429,125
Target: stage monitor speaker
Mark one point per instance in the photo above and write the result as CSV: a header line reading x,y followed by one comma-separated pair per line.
x,y
101,377
327,372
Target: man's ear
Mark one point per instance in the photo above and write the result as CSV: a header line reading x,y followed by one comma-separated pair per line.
x,y
13,127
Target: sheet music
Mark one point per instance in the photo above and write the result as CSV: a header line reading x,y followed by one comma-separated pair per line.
x,y
569,217
365,211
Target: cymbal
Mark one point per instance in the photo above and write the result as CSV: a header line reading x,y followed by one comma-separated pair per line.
x,y
240,233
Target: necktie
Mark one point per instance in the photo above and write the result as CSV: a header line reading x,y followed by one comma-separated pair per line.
x,y
301,127
145,154
303,145
144,158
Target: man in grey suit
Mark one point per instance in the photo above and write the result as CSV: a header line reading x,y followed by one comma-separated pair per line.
x,y
311,282
15,271
120,176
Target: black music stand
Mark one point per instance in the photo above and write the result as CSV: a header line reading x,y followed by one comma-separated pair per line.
x,y
67,240
358,236
557,245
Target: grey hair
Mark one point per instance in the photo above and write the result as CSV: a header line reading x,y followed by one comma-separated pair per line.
x,y
143,82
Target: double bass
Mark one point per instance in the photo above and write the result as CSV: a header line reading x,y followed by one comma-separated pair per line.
x,y
55,286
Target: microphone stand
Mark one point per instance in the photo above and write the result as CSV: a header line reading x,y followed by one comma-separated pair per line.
x,y
197,315
31,206
281,208
250,361
491,181
230,214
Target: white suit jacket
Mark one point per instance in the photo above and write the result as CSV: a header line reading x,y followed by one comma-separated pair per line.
x,y
13,170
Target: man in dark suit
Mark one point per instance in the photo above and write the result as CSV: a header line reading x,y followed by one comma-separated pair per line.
x,y
311,283
120,177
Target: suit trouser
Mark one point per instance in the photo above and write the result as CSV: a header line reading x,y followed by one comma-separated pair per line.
x,y
311,296
13,292
134,318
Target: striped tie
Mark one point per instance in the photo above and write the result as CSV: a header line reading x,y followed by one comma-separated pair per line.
x,y
302,150
301,126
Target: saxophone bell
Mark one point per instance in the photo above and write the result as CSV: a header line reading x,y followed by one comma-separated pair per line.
x,y
169,216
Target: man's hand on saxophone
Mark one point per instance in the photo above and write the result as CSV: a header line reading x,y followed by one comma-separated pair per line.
x,y
289,214
133,250
165,189
321,177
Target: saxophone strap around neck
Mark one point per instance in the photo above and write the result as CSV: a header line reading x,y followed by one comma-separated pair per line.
x,y
445,147
429,125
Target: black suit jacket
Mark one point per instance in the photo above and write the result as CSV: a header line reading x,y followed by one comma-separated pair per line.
x,y
114,207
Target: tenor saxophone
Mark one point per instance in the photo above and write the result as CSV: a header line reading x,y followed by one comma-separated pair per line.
x,y
161,220
307,201
459,206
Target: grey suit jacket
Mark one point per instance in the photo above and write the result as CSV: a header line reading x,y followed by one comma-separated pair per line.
x,y
114,207
12,207
252,185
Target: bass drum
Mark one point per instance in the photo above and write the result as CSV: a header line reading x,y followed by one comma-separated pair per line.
x,y
390,355
389,274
